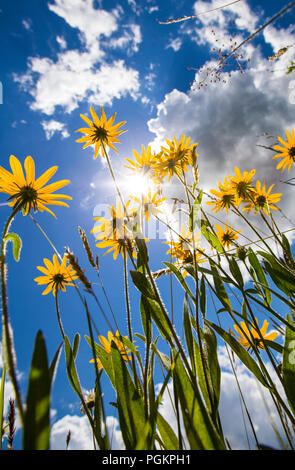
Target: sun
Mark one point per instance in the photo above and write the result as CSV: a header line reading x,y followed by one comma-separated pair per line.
x,y
138,185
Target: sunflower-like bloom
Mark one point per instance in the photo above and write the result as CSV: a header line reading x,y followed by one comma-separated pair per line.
x,y
182,249
117,226
27,192
100,133
287,152
176,158
150,204
144,165
106,343
124,245
89,400
56,276
227,236
226,197
262,200
242,184
244,336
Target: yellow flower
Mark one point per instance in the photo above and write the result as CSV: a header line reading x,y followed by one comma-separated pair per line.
x,y
226,197
175,159
226,235
106,343
89,400
56,276
122,245
244,336
144,165
242,184
150,204
28,193
100,133
116,227
182,249
262,199
287,152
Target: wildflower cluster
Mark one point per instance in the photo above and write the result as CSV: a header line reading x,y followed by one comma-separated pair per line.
x,y
121,232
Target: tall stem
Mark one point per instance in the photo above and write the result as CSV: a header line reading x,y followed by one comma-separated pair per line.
x,y
7,336
58,315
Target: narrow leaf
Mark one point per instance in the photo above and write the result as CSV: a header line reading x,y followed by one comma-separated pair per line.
x,y
17,244
36,434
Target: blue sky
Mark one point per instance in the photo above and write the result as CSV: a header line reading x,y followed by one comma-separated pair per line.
x,y
60,57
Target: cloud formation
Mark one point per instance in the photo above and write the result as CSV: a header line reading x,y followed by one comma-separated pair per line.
x,y
62,83
229,120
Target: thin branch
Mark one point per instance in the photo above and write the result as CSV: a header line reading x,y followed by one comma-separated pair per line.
x,y
183,18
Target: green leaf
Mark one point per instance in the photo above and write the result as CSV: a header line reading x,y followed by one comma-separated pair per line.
x,y
54,364
282,277
210,350
255,263
241,352
168,436
36,433
201,374
71,369
17,244
76,345
142,254
146,319
203,296
142,284
220,289
211,238
276,346
166,361
200,431
179,277
288,365
188,333
194,214
130,405
235,270
160,320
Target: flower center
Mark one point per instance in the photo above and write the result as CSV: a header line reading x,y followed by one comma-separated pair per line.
x,y
100,133
227,199
243,189
292,153
261,201
227,237
27,196
58,280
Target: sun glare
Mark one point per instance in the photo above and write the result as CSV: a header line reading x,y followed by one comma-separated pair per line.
x,y
138,185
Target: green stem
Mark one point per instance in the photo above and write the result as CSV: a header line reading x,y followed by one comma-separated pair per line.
x,y
129,318
58,315
7,337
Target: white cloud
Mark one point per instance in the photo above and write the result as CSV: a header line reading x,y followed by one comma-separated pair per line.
x,y
92,23
27,24
153,8
51,127
62,42
81,434
83,73
136,8
129,40
174,44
